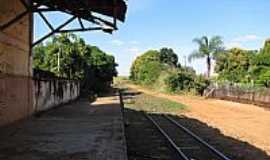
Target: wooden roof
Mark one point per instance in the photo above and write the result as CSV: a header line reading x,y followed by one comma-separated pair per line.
x,y
84,8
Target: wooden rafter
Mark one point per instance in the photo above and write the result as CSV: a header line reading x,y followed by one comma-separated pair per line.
x,y
74,8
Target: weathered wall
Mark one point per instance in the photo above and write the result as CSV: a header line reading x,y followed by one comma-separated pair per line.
x,y
259,97
20,96
15,64
15,98
50,93
14,40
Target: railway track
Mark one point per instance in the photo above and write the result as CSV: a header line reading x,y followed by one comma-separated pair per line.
x,y
182,144
144,142
185,143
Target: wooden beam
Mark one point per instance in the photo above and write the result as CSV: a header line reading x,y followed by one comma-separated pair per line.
x,y
81,23
54,31
24,4
46,21
81,30
14,20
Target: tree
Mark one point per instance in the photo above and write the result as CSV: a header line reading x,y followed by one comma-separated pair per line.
x,y
235,65
141,67
68,56
264,79
63,55
39,56
266,48
261,64
208,49
161,69
179,81
168,56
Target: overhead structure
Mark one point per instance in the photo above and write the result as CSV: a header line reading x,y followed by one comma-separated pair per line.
x,y
103,14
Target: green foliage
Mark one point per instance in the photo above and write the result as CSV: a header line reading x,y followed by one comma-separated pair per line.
x,y
246,67
234,65
103,64
68,56
149,72
161,71
39,56
266,48
146,68
68,50
200,84
154,104
186,81
167,56
264,79
160,84
261,63
179,81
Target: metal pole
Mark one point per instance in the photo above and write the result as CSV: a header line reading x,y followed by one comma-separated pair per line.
x,y
185,59
58,60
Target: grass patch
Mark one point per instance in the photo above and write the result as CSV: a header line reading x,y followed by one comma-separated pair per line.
x,y
120,81
144,102
153,104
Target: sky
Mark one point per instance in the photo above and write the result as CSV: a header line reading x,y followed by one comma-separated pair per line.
x,y
154,24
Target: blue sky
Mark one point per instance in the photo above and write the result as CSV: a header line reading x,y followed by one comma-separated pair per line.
x,y
153,24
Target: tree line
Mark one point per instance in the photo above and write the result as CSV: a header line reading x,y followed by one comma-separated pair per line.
x,y
235,65
245,66
161,69
68,56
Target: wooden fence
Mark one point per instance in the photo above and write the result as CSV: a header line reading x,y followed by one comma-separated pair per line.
x,y
258,96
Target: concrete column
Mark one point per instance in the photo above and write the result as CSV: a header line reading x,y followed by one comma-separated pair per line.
x,y
15,64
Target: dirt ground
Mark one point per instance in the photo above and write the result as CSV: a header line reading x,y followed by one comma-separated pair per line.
x,y
245,122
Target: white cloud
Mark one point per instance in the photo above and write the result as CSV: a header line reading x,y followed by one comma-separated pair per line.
x,y
246,38
134,42
233,44
134,50
241,41
117,42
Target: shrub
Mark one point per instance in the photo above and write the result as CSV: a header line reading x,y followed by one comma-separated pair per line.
x,y
201,83
162,72
160,83
149,72
179,81
186,81
264,79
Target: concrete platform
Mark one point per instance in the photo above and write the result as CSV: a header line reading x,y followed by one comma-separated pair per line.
x,y
77,131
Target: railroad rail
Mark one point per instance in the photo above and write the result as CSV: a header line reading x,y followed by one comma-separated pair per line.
x,y
185,143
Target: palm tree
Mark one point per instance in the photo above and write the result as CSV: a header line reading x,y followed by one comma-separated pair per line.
x,y
208,49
